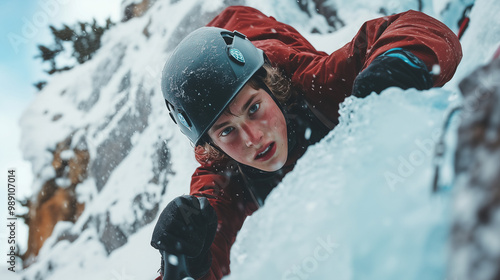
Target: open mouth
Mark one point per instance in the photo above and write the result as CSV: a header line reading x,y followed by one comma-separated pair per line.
x,y
267,153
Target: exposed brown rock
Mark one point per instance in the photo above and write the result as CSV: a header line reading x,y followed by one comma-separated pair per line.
x,y
136,9
55,203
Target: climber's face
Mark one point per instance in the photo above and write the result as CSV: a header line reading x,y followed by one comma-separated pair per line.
x,y
252,130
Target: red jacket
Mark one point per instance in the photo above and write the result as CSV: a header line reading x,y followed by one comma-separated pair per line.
x,y
325,81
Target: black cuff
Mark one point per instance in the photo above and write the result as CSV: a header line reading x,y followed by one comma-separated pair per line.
x,y
200,265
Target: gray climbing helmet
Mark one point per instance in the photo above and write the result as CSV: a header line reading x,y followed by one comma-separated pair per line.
x,y
203,75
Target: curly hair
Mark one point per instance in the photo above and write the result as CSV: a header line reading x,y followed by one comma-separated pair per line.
x,y
281,88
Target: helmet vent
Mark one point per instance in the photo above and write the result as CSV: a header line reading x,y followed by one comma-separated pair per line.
x,y
169,106
228,38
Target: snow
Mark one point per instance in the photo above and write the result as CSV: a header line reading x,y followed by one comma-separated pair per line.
x,y
86,259
357,206
67,154
481,39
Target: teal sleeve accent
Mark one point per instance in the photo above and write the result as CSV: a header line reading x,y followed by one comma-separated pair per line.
x,y
405,56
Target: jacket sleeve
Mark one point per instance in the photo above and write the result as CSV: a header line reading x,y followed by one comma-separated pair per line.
x,y
224,194
326,79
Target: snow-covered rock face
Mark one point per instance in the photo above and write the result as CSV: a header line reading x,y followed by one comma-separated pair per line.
x,y
366,214
476,227
111,109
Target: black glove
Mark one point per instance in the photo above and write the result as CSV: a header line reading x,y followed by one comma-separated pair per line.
x,y
187,226
394,68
